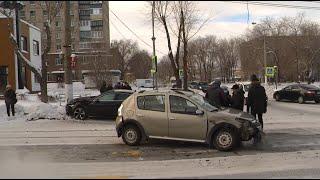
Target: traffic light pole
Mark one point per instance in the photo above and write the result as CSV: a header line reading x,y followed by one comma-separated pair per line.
x,y
67,53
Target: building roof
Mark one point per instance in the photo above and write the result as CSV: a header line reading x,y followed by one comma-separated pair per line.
x,y
30,25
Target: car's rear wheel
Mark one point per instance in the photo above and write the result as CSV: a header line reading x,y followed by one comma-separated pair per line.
x,y
225,139
80,113
278,97
317,101
301,100
131,135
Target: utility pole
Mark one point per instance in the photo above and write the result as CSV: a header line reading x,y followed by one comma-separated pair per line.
x,y
67,53
20,80
155,84
265,60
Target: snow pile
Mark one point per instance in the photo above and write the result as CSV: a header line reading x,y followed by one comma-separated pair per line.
x,y
28,110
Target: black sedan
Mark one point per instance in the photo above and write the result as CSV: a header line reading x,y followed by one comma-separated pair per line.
x,y
298,92
103,106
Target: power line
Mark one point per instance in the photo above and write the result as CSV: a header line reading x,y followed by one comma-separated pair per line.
x,y
278,5
134,32
117,29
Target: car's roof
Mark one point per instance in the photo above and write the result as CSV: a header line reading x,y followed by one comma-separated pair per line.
x,y
170,91
123,90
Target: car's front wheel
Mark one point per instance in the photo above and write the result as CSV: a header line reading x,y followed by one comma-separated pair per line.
x,y
131,135
225,139
317,101
80,113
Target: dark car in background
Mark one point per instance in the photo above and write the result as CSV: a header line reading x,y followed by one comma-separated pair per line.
x,y
103,106
298,92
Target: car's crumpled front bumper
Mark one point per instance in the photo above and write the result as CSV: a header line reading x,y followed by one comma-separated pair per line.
x,y
250,129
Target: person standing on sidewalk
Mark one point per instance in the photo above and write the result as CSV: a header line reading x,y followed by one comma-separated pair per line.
x,y
10,99
257,99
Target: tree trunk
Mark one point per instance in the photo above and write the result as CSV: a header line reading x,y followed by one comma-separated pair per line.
x,y
185,54
175,67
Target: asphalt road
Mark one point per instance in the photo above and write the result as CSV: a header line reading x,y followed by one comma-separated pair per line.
x,y
289,128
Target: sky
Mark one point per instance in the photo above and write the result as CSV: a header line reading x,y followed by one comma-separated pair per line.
x,y
227,19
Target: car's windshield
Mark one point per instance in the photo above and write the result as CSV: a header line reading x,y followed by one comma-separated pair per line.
x,y
200,100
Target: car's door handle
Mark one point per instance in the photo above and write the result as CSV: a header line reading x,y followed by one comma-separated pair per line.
x,y
139,115
172,119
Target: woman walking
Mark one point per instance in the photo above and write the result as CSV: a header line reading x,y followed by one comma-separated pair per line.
x,y
10,99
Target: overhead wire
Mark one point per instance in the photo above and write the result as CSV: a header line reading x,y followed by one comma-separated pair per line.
x,y
277,5
134,32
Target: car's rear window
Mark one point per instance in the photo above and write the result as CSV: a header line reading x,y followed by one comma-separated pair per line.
x,y
151,102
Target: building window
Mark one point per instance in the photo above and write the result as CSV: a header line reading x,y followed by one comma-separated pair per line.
x,y
24,43
58,14
36,50
58,36
36,79
96,34
45,13
96,11
58,60
32,14
57,24
97,23
84,23
71,12
58,47
32,2
72,23
22,14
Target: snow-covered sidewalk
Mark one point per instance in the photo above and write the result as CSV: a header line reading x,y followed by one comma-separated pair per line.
x,y
33,110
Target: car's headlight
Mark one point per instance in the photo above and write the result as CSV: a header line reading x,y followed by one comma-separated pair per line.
x,y
120,110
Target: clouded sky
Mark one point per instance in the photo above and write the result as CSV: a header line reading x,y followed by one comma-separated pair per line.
x,y
228,19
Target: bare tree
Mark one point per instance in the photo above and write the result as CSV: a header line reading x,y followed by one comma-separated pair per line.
x,y
139,64
125,50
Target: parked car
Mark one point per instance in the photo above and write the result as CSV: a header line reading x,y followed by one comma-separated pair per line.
x,y
203,86
105,105
298,92
183,115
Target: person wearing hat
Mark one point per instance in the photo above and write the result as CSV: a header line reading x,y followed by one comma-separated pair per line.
x,y
215,95
10,99
237,99
257,99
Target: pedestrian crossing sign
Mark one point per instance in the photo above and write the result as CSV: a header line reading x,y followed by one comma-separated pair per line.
x,y
270,71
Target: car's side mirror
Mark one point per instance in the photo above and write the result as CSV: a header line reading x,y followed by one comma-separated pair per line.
x,y
199,112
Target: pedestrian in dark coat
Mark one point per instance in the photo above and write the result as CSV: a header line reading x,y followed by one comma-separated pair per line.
x,y
103,87
127,86
215,95
10,99
237,99
257,99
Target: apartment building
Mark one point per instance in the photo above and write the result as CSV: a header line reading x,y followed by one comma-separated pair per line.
x,y
30,43
90,34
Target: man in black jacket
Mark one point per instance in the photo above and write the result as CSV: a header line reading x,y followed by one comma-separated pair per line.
x,y
257,99
237,99
10,99
103,87
215,95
